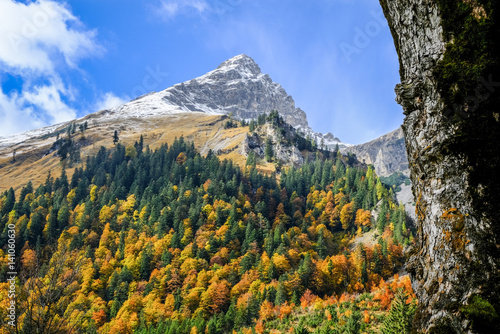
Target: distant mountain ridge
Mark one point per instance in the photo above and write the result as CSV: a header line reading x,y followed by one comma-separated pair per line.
x,y
387,153
388,156
197,109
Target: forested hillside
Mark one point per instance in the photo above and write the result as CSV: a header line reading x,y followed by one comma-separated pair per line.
x,y
169,241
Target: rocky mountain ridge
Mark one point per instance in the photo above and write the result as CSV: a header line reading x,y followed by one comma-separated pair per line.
x,y
196,109
237,88
387,153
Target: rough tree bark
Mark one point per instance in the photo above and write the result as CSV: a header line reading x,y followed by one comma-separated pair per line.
x,y
450,88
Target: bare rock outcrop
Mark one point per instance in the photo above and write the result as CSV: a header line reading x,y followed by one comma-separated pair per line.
x,y
283,148
387,153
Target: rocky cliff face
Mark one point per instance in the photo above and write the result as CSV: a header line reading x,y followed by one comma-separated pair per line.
x,y
284,151
387,154
449,62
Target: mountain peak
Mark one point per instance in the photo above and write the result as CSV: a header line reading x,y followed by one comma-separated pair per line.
x,y
241,63
237,87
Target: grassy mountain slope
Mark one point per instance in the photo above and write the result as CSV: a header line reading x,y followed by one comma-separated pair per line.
x,y
34,158
228,139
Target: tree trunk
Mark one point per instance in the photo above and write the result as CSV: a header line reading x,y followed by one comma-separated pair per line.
x,y
450,87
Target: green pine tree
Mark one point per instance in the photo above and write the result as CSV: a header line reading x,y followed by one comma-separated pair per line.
x,y
400,316
116,139
280,295
252,126
268,151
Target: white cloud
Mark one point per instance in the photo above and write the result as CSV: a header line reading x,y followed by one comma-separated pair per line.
x,y
169,9
34,107
49,99
34,36
38,40
109,100
14,117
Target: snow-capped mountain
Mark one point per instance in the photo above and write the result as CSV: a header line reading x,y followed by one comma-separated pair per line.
x,y
237,87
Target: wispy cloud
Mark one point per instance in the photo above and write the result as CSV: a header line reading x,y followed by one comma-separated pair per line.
x,y
110,100
49,98
169,9
345,99
38,41
15,116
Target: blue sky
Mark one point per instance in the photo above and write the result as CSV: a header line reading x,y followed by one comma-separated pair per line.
x,y
64,59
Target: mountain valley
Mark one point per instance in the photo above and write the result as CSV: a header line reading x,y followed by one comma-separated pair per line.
x,y
210,207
